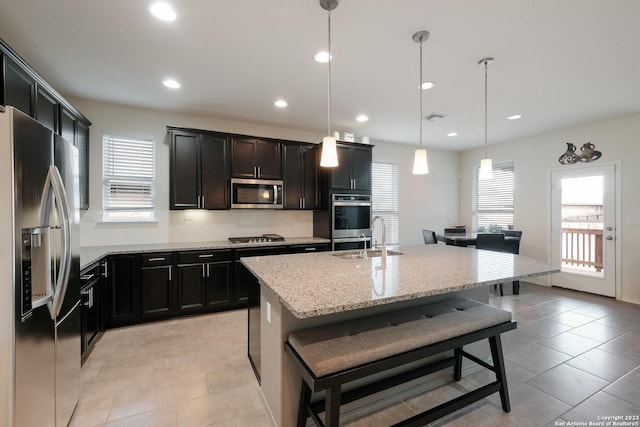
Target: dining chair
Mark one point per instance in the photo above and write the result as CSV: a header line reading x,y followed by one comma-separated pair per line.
x,y
429,237
491,242
512,245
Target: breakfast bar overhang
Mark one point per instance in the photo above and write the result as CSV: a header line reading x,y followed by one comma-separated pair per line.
x,y
304,290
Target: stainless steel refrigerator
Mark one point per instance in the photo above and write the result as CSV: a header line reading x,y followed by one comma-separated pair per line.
x,y
40,326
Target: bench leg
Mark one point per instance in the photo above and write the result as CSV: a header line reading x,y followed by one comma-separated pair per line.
x,y
332,407
457,368
501,376
303,407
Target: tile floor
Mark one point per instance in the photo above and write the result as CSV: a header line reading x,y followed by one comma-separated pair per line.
x,y
574,357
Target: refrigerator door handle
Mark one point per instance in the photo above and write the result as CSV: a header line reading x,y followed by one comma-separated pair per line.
x,y
54,182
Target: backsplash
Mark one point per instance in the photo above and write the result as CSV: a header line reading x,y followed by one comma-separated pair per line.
x,y
195,226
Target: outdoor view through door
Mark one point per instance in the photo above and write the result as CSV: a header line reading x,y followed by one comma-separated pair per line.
x,y
584,228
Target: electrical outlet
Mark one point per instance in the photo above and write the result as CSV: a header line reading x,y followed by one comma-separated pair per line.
x,y
268,312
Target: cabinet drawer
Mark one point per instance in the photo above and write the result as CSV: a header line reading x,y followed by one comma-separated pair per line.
x,y
196,257
298,249
157,259
89,274
262,251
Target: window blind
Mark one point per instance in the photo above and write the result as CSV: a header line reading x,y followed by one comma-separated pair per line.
x,y
494,202
384,195
128,179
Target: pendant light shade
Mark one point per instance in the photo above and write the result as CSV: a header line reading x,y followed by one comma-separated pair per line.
x,y
486,166
329,156
486,169
420,162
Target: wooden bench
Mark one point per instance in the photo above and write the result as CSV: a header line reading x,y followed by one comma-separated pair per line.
x,y
332,355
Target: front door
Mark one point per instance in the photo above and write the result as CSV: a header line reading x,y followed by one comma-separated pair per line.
x,y
583,227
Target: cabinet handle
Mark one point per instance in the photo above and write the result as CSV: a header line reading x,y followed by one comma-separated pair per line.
x,y
91,297
259,172
87,276
156,259
208,270
300,203
203,203
106,270
309,249
203,273
304,203
205,256
170,272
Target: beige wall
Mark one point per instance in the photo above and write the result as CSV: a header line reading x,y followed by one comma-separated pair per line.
x,y
425,201
535,157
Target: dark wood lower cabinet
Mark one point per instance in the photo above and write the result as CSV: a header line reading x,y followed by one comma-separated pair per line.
x,y
156,291
152,286
122,291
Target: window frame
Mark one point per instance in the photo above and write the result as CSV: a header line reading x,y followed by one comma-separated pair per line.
x,y
508,211
141,173
390,213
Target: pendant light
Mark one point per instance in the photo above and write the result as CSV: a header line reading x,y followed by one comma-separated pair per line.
x,y
486,166
420,163
329,156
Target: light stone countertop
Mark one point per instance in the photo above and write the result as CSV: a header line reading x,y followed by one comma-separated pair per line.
x,y
91,254
311,285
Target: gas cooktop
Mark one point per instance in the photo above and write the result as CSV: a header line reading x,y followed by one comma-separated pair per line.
x,y
257,239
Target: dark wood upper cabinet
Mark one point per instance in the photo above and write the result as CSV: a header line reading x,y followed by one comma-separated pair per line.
x,y
19,86
68,125
184,170
82,142
353,172
27,91
214,166
299,176
255,158
199,170
47,109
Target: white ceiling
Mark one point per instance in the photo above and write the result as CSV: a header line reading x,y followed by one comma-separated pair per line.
x,y
558,62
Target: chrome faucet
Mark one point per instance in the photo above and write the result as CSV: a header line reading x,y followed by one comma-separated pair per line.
x,y
364,240
384,229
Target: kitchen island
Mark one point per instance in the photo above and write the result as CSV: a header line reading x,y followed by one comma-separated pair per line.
x,y
305,290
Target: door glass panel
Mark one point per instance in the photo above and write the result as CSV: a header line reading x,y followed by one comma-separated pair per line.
x,y
582,225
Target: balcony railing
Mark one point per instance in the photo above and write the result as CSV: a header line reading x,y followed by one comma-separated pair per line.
x,y
582,248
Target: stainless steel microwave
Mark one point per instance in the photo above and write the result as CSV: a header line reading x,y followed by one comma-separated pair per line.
x,y
256,194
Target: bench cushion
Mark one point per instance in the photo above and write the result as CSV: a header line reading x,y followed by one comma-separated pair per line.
x,y
333,348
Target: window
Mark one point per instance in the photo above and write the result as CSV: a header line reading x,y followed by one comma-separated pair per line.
x,y
384,197
128,190
494,198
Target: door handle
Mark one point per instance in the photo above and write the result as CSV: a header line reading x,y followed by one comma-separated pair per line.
x,y
54,183
609,237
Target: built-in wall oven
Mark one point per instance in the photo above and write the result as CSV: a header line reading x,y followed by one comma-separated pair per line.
x,y
350,221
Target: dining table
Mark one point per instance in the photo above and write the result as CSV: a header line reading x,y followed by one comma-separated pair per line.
x,y
466,239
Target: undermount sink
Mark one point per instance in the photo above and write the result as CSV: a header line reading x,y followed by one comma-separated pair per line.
x,y
369,253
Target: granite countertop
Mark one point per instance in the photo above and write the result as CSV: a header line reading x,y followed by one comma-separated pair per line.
x,y
91,254
311,285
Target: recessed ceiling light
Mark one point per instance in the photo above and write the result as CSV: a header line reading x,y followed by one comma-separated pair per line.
x,y
171,83
427,85
280,103
362,118
515,117
452,134
162,11
322,57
